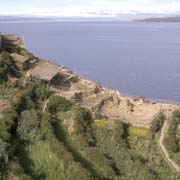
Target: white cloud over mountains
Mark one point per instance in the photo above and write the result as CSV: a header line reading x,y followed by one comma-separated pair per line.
x,y
88,7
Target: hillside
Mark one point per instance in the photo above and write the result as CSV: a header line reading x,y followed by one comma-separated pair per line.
x,y
55,125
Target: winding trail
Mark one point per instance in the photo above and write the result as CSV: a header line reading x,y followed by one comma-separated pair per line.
x,y
165,153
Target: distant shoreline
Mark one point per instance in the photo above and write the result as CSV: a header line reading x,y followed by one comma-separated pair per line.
x,y
163,19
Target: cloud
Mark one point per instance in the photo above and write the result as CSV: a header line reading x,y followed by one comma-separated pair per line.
x,y
175,4
79,7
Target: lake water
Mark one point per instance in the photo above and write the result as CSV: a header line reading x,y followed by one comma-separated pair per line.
x,y
134,58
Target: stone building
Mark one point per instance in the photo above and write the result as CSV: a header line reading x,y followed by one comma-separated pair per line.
x,y
23,62
10,42
46,71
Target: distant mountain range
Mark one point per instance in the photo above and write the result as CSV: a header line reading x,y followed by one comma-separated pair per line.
x,y
92,16
161,19
23,18
136,17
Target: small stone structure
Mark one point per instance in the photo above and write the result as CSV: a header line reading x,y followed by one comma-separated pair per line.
x,y
23,62
10,42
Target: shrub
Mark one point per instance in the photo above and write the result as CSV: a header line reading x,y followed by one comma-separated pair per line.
x,y
46,163
3,158
119,132
171,140
22,101
157,123
58,104
7,123
28,126
45,126
7,67
83,121
16,171
38,89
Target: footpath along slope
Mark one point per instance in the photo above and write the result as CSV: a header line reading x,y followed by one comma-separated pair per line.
x,y
171,162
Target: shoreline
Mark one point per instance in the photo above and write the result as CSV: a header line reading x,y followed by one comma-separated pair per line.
x,y
136,110
149,99
114,78
102,101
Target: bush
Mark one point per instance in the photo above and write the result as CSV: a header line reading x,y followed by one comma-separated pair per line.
x,y
16,171
7,123
157,123
119,132
58,104
46,163
171,140
23,101
7,67
28,126
6,91
38,90
46,127
82,122
3,158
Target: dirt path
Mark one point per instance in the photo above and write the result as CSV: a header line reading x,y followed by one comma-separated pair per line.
x,y
165,153
45,105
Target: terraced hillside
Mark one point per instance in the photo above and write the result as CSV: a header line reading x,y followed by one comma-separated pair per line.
x,y
55,125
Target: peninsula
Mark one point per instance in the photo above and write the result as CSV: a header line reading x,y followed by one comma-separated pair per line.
x,y
162,19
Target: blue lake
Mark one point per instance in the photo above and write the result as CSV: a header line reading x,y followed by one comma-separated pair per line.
x,y
134,58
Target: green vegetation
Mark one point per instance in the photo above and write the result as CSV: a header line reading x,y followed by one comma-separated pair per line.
x,y
46,163
57,104
65,142
28,126
172,140
138,131
7,91
8,67
39,90
157,123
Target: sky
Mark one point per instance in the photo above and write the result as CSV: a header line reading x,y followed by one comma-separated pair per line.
x,y
77,7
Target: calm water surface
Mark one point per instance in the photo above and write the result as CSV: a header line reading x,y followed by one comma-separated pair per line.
x,y
134,58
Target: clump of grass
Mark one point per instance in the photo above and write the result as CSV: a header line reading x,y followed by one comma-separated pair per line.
x,y
138,131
